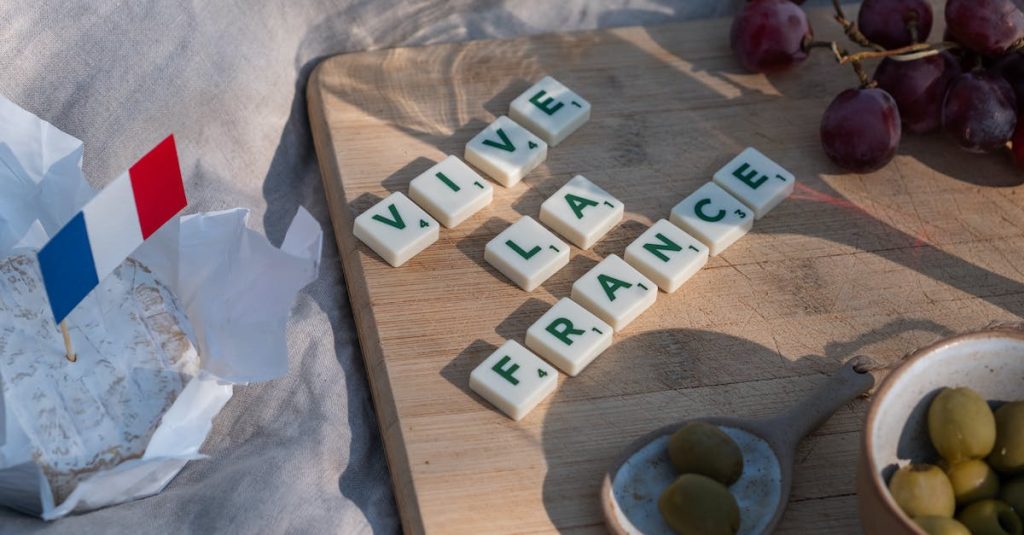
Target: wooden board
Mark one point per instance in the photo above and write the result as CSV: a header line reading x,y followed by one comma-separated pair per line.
x,y
879,263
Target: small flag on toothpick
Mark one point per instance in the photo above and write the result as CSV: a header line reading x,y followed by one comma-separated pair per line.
x,y
110,227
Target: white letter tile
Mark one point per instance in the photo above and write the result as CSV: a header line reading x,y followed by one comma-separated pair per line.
x,y
756,181
582,212
506,151
551,110
396,229
527,253
615,292
451,191
514,380
714,217
569,336
667,255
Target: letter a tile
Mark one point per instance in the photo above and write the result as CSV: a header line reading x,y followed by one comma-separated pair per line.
x,y
615,292
582,212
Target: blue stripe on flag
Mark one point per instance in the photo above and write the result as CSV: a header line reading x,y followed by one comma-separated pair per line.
x,y
69,272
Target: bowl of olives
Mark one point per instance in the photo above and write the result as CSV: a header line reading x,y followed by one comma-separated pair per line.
x,y
942,451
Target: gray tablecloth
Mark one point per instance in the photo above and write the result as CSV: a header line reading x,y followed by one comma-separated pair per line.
x,y
300,454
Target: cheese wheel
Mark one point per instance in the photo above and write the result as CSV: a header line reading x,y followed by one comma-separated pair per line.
x,y
134,358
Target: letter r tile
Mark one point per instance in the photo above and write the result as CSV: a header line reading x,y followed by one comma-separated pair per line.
x,y
569,336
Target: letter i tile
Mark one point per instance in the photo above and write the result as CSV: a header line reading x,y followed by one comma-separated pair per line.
x,y
514,380
451,191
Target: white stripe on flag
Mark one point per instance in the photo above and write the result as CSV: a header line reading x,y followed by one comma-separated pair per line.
x,y
113,225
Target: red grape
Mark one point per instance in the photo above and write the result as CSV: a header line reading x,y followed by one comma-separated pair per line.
x,y
1011,68
769,35
861,129
918,87
1018,144
885,22
989,27
980,111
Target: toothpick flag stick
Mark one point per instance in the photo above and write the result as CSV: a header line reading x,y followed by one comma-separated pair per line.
x,y
110,227
69,351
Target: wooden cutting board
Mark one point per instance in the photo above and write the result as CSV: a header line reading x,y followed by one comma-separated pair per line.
x,y
877,263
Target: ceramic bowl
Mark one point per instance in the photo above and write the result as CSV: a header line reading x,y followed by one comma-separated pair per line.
x,y
990,361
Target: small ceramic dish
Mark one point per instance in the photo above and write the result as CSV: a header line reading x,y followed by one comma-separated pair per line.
x,y
990,361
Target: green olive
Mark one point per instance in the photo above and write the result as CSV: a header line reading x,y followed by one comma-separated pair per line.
x,y
972,481
923,490
701,448
1008,455
698,505
1013,494
990,517
940,525
961,425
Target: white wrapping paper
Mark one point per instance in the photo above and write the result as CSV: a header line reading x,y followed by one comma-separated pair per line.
x,y
235,287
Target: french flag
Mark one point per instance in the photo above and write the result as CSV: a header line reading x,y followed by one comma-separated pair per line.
x,y
111,226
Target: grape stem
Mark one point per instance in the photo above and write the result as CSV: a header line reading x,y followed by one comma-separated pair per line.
x,y
842,56
851,30
904,53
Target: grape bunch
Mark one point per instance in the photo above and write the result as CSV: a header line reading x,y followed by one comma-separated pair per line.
x,y
969,85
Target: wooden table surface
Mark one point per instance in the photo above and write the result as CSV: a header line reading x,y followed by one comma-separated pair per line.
x,y
876,264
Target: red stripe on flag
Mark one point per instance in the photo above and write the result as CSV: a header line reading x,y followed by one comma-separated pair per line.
x,y
158,187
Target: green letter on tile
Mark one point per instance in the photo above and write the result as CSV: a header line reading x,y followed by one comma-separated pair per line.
x,y
666,245
750,178
505,144
699,210
611,285
578,204
562,329
521,252
507,373
545,105
396,218
448,182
